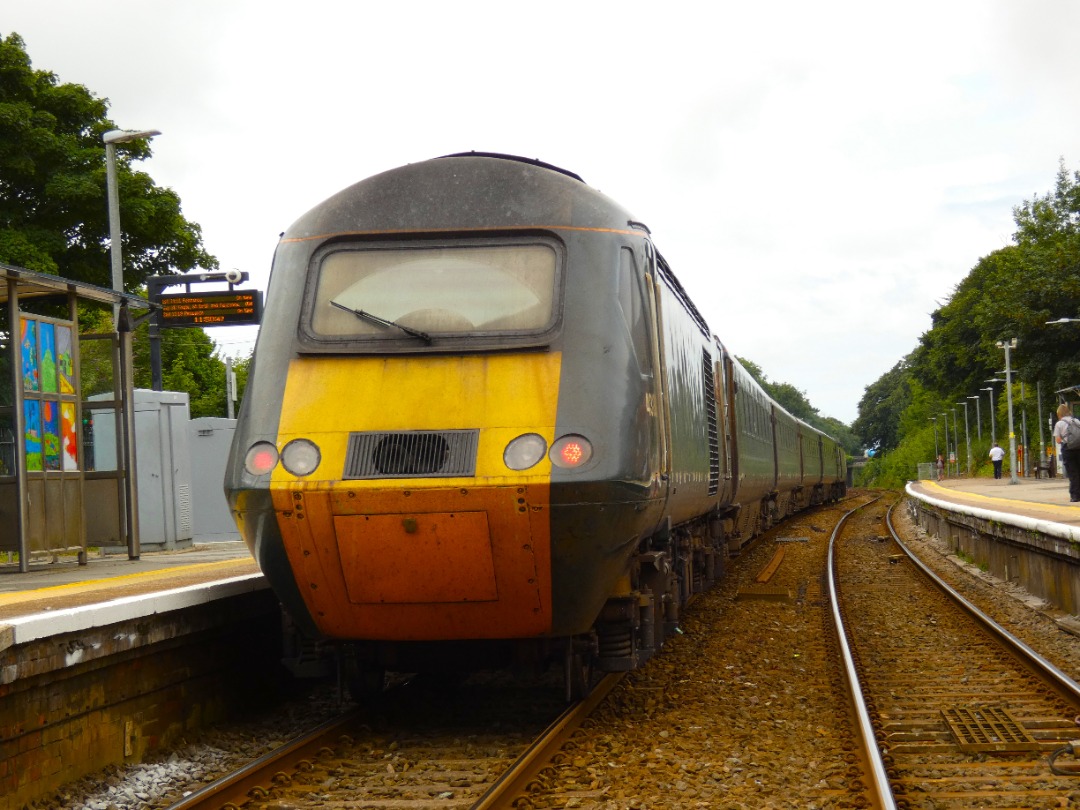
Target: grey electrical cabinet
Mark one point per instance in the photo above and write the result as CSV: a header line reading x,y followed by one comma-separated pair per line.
x,y
210,440
162,464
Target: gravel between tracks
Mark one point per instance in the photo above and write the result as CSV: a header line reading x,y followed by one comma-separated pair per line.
x,y
735,714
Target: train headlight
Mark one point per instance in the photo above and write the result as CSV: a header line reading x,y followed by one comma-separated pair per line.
x,y
300,457
524,451
261,458
571,451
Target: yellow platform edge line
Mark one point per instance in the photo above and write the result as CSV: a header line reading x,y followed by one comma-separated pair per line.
x,y
102,584
934,485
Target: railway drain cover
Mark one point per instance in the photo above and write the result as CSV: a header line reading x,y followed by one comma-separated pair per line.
x,y
769,593
988,728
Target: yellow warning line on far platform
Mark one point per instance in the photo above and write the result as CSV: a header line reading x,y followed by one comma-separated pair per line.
x,y
111,582
957,493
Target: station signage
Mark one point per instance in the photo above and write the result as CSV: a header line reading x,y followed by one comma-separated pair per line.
x,y
217,308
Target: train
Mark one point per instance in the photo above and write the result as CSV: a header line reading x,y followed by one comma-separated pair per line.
x,y
485,426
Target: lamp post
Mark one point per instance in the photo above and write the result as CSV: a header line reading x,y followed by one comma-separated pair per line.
x,y
956,441
946,419
1007,345
993,430
111,138
978,415
967,437
936,454
1039,418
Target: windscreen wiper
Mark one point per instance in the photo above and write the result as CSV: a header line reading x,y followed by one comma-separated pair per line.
x,y
367,316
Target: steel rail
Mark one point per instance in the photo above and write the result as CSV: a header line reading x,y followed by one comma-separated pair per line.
x,y
1062,682
233,788
871,754
514,782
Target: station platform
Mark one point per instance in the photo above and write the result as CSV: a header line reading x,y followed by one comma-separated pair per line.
x,y
59,589
1038,499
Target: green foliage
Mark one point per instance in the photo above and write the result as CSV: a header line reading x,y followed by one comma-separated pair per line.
x,y
190,363
1010,293
881,406
53,209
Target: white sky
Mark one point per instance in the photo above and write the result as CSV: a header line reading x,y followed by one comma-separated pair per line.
x,y
819,175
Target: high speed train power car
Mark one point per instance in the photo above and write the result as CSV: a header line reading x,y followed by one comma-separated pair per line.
x,y
486,425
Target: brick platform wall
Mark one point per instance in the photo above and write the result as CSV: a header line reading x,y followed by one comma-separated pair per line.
x,y
72,705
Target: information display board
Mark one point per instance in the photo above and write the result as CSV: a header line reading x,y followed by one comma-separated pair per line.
x,y
217,308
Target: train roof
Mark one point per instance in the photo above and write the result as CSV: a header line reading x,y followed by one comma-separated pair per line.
x,y
468,191
518,158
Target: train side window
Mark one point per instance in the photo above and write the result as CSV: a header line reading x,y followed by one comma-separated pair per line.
x,y
631,302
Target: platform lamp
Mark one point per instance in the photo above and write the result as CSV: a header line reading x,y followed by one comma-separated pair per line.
x,y
111,138
936,453
945,417
967,436
1007,345
993,429
978,415
956,440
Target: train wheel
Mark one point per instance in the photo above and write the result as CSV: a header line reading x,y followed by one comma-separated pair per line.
x,y
580,672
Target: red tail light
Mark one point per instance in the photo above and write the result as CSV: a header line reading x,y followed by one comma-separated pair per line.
x,y
571,451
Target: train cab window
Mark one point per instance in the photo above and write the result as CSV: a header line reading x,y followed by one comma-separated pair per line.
x,y
422,293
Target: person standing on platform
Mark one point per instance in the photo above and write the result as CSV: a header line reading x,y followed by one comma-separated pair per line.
x,y
996,455
940,466
1070,459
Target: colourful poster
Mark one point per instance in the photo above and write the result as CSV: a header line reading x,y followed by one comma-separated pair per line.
x,y
69,436
28,341
50,413
47,340
32,412
65,365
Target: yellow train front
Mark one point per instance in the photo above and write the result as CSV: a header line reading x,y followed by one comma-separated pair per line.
x,y
486,425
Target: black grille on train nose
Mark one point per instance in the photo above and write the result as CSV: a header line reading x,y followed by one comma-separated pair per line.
x,y
411,454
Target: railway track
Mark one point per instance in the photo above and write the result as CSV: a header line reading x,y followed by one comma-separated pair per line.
x,y
954,711
470,747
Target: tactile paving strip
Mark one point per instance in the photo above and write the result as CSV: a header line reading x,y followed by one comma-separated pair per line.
x,y
988,728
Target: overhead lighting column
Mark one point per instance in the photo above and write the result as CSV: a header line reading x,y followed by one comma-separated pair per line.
x,y
967,437
946,422
1007,345
111,138
978,415
123,384
993,430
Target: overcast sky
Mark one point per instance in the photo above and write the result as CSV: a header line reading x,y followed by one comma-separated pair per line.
x,y
819,175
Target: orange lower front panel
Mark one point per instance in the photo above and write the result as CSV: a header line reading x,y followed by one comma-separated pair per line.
x,y
422,564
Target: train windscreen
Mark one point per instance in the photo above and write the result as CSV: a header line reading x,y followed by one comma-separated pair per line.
x,y
428,291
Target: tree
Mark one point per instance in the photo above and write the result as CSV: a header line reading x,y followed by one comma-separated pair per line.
x,y
1043,220
1011,293
794,401
53,210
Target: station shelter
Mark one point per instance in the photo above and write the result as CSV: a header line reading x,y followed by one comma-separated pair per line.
x,y
55,381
